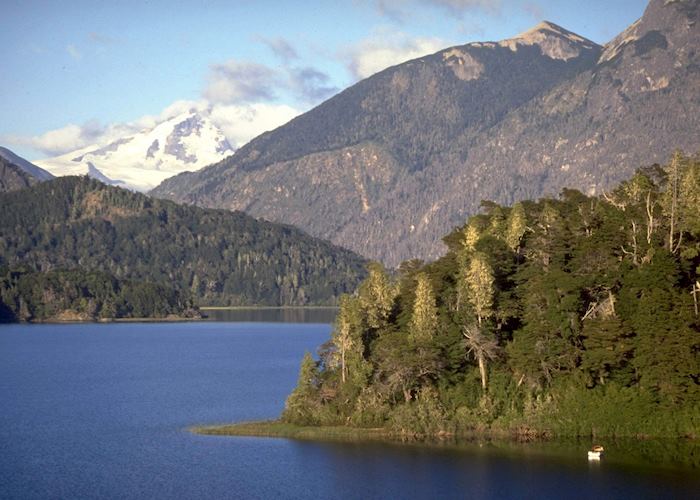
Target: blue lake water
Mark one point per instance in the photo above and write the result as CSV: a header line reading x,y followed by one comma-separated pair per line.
x,y
101,411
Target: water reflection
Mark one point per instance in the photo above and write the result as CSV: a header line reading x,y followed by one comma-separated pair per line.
x,y
478,470
274,314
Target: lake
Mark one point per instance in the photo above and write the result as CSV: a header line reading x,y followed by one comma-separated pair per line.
x,y
273,314
102,410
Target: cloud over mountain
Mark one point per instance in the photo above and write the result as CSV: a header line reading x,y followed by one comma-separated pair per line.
x,y
386,48
236,82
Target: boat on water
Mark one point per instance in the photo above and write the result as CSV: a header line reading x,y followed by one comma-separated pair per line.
x,y
595,452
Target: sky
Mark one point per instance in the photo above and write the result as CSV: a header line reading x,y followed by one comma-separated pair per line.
x,y
77,72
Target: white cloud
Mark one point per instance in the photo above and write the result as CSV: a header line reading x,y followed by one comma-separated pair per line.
x,y
70,137
170,111
387,48
281,48
243,82
236,99
459,7
60,140
401,10
240,82
240,124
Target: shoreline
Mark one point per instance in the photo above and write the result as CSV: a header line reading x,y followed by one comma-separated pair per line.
x,y
59,321
170,318
279,429
657,453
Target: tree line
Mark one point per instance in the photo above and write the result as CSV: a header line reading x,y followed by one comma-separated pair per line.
x,y
27,295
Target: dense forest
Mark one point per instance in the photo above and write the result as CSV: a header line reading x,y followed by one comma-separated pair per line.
x,y
78,295
216,256
568,316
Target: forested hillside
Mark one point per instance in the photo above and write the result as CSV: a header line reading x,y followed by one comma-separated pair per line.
x,y
576,316
216,256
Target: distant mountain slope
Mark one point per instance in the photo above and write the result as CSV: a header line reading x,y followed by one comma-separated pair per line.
x,y
221,257
185,142
36,172
18,173
12,177
392,163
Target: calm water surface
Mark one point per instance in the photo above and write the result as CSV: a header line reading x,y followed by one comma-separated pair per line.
x,y
101,411
275,314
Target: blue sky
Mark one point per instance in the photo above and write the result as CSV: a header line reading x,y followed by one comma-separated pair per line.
x,y
80,72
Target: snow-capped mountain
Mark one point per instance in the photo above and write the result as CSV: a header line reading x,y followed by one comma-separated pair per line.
x,y
186,142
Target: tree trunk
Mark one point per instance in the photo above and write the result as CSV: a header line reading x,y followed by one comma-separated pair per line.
x,y
482,369
650,218
674,175
343,368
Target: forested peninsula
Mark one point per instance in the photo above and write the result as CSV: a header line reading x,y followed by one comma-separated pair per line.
x,y
575,316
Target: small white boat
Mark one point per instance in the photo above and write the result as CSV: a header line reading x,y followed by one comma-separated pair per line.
x,y
595,453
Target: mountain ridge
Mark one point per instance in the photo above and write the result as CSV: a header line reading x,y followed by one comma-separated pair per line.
x,y
388,165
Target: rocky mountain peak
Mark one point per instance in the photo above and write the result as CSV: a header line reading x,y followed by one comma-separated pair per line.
x,y
553,40
664,23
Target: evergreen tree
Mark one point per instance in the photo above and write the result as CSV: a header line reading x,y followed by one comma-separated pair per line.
x,y
608,349
471,236
301,404
424,320
516,227
480,283
377,295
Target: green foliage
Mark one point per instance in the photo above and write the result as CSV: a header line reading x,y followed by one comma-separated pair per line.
x,y
220,257
424,416
424,323
569,316
85,295
300,407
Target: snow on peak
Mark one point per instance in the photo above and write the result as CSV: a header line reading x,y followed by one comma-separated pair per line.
x,y
553,40
186,142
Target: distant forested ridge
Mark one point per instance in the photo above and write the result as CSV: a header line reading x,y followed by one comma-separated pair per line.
x,y
79,295
217,257
569,316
